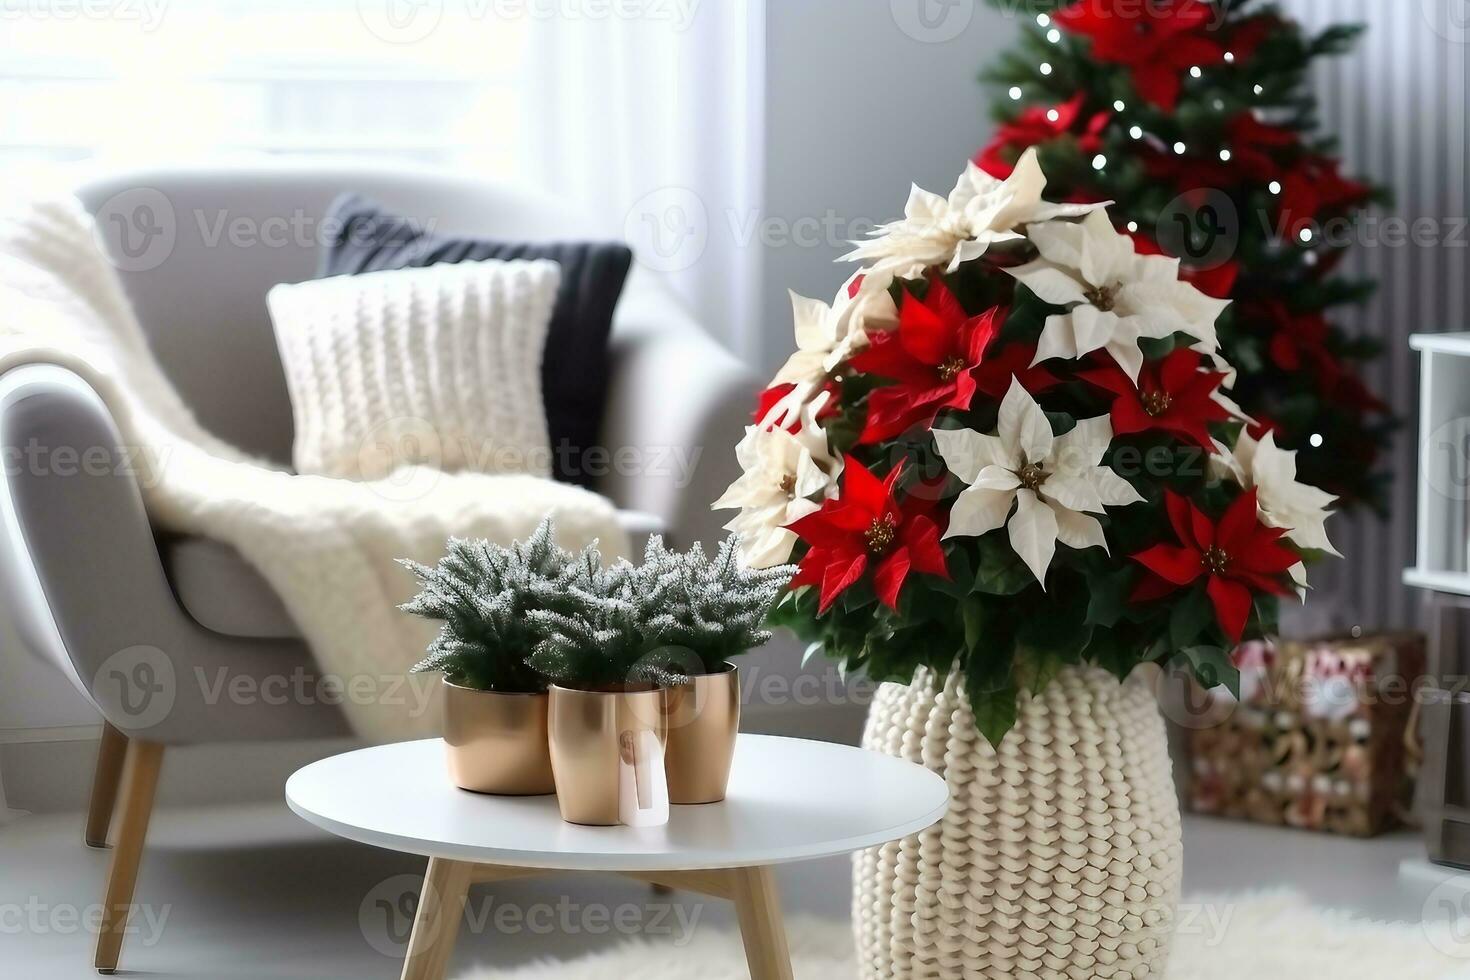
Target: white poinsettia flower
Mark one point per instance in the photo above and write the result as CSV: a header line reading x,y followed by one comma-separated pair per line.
x,y
1115,296
785,476
1055,482
981,211
1280,499
827,335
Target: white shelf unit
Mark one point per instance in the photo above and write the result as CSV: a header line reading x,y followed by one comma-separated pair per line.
x,y
1442,562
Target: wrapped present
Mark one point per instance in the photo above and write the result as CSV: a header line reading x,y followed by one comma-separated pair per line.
x,y
1322,736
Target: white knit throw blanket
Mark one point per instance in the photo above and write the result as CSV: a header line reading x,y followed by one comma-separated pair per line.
x,y
327,546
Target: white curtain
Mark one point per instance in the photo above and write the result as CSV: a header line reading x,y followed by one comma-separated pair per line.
x,y
645,113
657,122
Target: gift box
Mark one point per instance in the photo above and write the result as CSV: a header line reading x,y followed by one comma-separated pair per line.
x,y
1322,736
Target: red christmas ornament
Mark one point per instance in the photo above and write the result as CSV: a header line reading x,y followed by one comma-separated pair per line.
x,y
864,527
1237,556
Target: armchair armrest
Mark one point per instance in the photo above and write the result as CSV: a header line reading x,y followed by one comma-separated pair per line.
x,y
677,405
81,572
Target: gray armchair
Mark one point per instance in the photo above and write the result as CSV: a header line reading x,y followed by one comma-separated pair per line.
x,y
131,614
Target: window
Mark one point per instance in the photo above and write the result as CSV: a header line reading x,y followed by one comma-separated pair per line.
x,y
171,79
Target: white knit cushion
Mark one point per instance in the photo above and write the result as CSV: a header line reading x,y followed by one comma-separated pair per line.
x,y
439,366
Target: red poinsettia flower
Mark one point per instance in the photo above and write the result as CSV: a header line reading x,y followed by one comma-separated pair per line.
x,y
864,527
1253,142
930,358
993,376
1158,41
1249,34
1217,280
1172,395
1238,556
1314,187
1039,124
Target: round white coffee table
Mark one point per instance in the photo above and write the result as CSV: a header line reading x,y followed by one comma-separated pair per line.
x,y
789,800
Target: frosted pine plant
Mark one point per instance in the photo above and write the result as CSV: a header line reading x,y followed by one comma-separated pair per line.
x,y
483,594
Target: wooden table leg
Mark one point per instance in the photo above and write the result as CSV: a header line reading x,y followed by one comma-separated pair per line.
x,y
759,907
436,924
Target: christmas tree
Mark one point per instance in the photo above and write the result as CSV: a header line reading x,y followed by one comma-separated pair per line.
x,y
1196,120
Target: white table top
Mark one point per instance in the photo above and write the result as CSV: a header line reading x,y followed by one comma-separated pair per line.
x,y
789,800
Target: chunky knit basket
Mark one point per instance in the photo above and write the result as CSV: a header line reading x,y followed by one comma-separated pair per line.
x,y
1060,854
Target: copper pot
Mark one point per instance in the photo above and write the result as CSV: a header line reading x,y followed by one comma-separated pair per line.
x,y
496,743
594,737
704,718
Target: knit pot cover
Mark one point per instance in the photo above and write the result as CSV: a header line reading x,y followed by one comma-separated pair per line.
x,y
1060,855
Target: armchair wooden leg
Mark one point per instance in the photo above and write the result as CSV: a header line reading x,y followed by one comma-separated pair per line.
x,y
140,780
105,781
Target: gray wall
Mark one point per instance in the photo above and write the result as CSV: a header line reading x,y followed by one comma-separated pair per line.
x,y
861,101
1399,105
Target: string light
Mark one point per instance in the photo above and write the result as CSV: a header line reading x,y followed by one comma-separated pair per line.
x,y
1099,161
1046,67
1196,72
1119,106
1260,89
1016,93
1052,115
1179,148
1306,234
1316,440
1132,226
1053,35
1274,187
1136,132
1230,57
1043,20
1225,156
1219,105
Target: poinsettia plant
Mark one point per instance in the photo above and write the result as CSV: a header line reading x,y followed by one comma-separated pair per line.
x,y
1008,447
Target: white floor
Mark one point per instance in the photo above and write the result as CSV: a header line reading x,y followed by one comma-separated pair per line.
x,y
252,892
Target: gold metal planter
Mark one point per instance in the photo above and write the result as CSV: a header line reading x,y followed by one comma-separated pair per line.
x,y
704,718
592,733
497,743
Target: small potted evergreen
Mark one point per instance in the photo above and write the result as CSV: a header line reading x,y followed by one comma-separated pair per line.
x,y
671,624
496,705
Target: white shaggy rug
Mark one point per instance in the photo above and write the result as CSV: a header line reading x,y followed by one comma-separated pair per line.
x,y
1275,936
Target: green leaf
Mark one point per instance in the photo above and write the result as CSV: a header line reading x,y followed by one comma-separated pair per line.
x,y
973,612
1191,616
1211,666
1108,596
1001,572
993,702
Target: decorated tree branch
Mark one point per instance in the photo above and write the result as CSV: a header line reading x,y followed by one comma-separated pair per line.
x,y
1009,447
1195,120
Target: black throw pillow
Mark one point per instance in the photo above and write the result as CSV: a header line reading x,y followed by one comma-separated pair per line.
x,y
574,369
